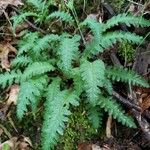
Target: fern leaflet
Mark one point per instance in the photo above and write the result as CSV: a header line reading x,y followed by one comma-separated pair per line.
x,y
68,51
29,93
9,78
21,61
93,76
56,115
64,16
111,38
127,19
124,75
112,107
36,68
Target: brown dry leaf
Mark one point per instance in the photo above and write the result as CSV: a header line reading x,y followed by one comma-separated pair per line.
x,y
5,49
96,147
4,4
11,143
85,146
13,95
15,143
24,143
145,104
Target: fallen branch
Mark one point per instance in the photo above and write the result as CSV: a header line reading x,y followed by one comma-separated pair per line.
x,y
126,102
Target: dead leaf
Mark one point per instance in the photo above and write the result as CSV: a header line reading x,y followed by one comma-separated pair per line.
x,y
24,143
11,143
15,143
5,49
85,146
95,147
4,4
13,95
145,103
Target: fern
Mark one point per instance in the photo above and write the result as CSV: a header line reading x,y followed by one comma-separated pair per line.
x,y
36,68
21,61
38,4
111,38
78,82
126,19
44,43
29,93
95,115
93,76
64,16
9,78
124,75
115,110
28,42
56,115
68,53
93,46
18,19
75,71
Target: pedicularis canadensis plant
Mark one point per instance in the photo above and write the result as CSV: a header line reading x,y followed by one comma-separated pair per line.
x,y
62,69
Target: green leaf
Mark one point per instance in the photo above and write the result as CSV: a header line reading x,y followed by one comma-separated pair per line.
x,y
29,94
93,75
9,78
124,75
36,68
114,109
127,20
68,51
64,16
56,113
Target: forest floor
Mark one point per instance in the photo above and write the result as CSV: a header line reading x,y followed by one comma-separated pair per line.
x,y
25,135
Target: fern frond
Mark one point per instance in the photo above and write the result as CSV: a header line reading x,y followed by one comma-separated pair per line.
x,y
21,61
108,86
64,16
44,43
9,78
18,19
36,68
95,27
114,109
28,42
111,38
29,93
124,75
94,115
56,114
38,4
68,51
93,47
93,75
126,19
77,81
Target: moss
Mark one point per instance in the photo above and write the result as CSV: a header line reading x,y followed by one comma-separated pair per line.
x,y
126,51
78,130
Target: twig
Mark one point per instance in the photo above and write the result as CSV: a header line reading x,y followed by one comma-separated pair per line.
x,y
108,127
5,131
114,58
125,102
143,123
34,27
